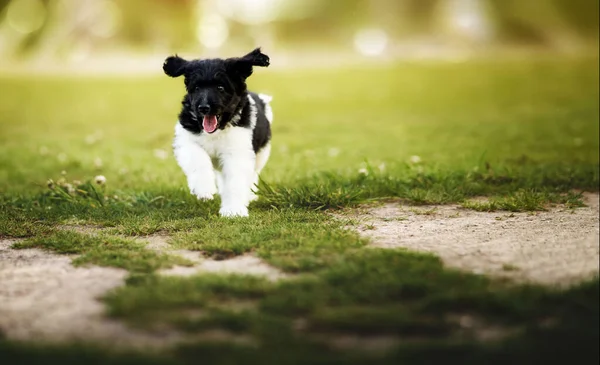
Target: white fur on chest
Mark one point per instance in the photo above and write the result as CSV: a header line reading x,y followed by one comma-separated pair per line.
x,y
220,144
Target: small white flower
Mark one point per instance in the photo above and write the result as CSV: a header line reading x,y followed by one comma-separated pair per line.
x,y
63,172
415,159
160,154
98,162
333,152
100,180
76,182
50,183
43,150
382,167
70,188
123,171
363,171
62,157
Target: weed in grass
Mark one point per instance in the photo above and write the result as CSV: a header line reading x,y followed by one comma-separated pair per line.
x,y
432,211
394,219
526,200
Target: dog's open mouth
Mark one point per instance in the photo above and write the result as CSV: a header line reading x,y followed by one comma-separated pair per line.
x,y
210,123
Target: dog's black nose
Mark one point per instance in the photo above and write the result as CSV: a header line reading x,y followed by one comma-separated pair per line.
x,y
204,109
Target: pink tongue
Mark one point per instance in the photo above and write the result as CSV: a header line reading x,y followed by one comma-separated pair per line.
x,y
209,123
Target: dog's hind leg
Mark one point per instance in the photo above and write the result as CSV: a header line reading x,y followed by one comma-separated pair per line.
x,y
262,157
261,160
219,180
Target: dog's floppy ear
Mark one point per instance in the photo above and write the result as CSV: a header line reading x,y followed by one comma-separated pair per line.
x,y
174,66
256,58
242,66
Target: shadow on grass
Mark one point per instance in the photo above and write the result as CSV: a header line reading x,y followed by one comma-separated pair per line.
x,y
370,293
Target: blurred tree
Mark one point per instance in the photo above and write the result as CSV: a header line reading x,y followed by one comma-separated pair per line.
x,y
168,23
76,26
557,23
50,28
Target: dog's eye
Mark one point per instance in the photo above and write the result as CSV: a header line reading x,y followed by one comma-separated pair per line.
x,y
220,88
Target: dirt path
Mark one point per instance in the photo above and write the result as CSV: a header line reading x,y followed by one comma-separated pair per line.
x,y
43,297
247,264
556,247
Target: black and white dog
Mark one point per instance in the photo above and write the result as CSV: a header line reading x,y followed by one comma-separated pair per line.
x,y
222,138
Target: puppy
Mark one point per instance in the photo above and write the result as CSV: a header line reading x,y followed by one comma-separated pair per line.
x,y
222,138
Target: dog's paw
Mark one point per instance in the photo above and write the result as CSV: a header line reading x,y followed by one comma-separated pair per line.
x,y
231,212
203,193
204,196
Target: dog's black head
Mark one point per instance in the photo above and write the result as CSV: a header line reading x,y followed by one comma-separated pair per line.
x,y
216,88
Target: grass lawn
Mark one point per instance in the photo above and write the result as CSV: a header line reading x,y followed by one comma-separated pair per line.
x,y
524,133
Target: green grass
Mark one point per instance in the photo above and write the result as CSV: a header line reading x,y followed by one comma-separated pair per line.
x,y
522,133
523,200
104,250
371,292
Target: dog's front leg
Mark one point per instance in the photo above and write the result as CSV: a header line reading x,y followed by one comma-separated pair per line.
x,y
196,165
237,178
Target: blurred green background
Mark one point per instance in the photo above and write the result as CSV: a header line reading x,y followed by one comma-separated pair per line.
x,y
133,35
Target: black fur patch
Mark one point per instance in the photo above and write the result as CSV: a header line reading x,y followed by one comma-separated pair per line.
x,y
262,130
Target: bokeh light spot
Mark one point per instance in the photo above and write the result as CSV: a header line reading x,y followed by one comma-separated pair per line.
x,y
107,19
212,31
370,42
250,11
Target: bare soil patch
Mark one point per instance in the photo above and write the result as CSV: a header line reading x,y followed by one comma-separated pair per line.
x,y
555,247
243,265
43,297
